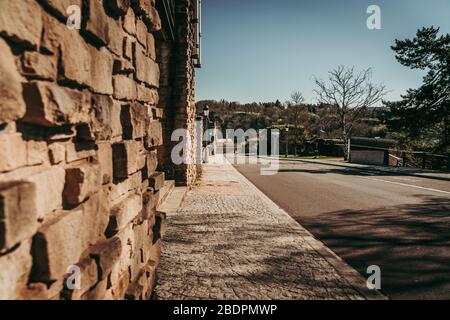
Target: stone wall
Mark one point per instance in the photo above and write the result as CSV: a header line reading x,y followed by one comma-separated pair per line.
x,y
178,90
81,126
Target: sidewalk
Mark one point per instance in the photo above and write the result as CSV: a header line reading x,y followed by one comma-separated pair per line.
x,y
229,241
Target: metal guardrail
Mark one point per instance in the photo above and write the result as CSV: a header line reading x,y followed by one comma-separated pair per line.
x,y
414,159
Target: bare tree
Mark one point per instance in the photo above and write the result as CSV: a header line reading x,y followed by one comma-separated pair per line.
x,y
351,92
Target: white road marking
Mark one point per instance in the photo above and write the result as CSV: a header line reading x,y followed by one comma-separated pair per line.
x,y
409,185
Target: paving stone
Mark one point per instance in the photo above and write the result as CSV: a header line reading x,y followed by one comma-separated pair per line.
x,y
226,242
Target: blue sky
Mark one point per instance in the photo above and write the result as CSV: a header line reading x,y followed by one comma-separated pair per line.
x,y
262,50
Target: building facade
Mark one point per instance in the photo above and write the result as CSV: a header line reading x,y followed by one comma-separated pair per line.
x,y
90,92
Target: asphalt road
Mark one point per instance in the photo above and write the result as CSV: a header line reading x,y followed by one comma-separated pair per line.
x,y
400,223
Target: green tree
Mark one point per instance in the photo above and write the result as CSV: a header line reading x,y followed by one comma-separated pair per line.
x,y
423,116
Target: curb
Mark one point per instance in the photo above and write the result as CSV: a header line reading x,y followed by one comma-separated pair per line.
x,y
348,273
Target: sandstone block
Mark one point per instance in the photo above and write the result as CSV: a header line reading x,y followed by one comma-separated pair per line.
x,y
15,268
61,6
157,113
151,48
141,33
42,291
134,119
115,36
36,152
136,289
49,187
120,188
88,278
106,253
58,245
39,66
123,213
124,87
146,9
75,57
129,22
150,201
126,236
97,211
153,21
101,70
128,45
105,159
157,180
80,150
147,95
120,287
154,134
14,152
97,22
57,153
123,66
81,183
117,7
124,155
96,293
12,106
18,216
21,21
155,253
102,116
62,239
147,70
51,105
152,161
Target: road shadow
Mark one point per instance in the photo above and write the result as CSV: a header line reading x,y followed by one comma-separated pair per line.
x,y
421,173
410,243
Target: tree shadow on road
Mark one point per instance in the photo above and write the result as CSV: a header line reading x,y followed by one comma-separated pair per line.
x,y
410,242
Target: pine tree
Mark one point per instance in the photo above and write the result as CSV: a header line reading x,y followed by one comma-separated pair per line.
x,y
423,116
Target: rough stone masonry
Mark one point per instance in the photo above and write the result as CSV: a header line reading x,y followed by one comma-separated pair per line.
x,y
84,120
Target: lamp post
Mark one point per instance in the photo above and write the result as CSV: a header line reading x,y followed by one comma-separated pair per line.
x,y
287,140
206,128
317,142
206,114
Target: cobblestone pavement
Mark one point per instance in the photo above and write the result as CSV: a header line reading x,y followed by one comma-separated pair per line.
x,y
229,241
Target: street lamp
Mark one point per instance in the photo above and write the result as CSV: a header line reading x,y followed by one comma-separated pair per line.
x,y
206,114
287,140
317,142
206,111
